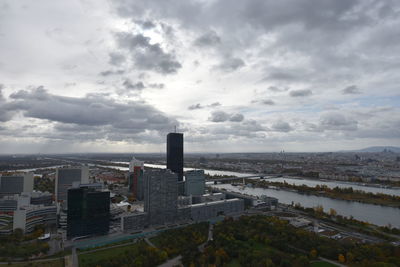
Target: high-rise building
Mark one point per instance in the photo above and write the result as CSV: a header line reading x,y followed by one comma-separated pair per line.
x,y
88,212
16,184
194,182
65,177
135,178
160,196
175,154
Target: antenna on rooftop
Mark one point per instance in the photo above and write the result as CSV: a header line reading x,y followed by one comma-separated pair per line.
x,y
175,128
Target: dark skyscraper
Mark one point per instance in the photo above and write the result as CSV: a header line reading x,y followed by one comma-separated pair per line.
x,y
88,212
175,154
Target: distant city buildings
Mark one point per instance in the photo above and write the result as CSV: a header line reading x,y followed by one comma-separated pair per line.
x,y
65,177
175,154
88,212
194,182
16,184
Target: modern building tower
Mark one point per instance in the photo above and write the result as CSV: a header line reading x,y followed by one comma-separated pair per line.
x,y
16,184
88,212
194,182
65,177
175,154
160,196
135,178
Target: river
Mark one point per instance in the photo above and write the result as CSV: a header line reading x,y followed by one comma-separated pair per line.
x,y
290,180
379,215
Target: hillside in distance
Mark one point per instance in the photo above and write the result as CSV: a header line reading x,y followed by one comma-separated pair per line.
x,y
375,149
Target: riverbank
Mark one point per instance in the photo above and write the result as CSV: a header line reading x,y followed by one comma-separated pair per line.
x,y
375,214
335,193
331,217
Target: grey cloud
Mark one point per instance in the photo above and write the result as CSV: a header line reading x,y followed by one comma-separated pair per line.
x,y
111,72
147,56
116,59
282,126
337,121
281,76
208,39
5,112
199,106
75,127
215,104
1,92
92,110
268,102
146,24
133,86
230,64
352,89
71,84
156,85
221,116
300,93
277,89
236,117
195,106
246,128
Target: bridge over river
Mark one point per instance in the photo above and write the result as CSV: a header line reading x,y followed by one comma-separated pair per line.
x,y
234,178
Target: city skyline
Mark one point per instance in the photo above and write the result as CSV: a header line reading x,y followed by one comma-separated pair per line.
x,y
257,76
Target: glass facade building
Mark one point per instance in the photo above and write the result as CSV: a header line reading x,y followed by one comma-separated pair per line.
x,y
88,212
175,154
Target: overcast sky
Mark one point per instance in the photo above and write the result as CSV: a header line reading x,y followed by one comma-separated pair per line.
x,y
255,75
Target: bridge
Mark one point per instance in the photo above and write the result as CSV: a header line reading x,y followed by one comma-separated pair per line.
x,y
227,179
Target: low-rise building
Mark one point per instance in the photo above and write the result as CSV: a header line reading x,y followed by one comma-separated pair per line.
x,y
17,212
208,210
134,221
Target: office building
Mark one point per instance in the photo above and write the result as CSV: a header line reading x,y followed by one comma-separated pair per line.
x,y
88,212
39,198
194,182
135,178
16,184
27,218
175,154
208,210
133,221
65,177
160,196
17,212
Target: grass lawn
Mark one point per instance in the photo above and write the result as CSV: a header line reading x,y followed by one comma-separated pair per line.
x,y
234,263
54,263
105,254
322,264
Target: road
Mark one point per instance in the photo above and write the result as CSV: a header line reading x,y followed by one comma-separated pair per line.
x,y
172,262
75,262
55,246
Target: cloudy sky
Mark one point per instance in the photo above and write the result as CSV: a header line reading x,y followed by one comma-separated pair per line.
x,y
255,75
